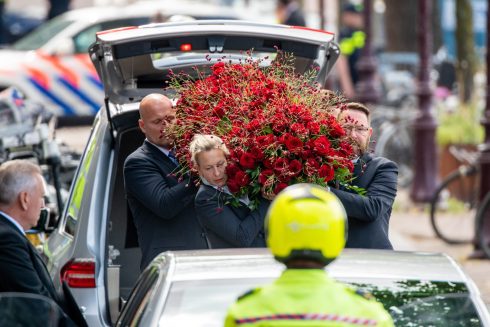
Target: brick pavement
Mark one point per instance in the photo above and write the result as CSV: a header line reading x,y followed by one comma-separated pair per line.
x,y
410,230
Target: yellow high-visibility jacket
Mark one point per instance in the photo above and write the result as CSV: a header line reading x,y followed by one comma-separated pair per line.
x,y
306,297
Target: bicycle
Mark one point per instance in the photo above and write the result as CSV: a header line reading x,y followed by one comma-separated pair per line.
x,y
393,132
455,201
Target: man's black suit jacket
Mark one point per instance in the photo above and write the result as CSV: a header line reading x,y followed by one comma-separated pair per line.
x,y
369,215
161,205
22,270
21,267
229,226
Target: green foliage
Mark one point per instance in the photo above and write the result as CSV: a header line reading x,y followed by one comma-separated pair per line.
x,y
460,127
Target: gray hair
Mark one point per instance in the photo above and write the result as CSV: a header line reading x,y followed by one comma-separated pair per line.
x,y
16,176
204,142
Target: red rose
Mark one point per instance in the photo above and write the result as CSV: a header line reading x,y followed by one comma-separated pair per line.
x,y
233,186
231,169
345,149
241,178
326,172
280,165
247,160
285,177
219,111
268,163
305,154
218,68
264,176
322,146
294,144
313,127
336,130
263,141
312,166
349,164
236,153
253,125
295,167
279,187
299,129
257,153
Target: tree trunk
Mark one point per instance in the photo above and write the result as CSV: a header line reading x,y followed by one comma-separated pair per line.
x,y
400,26
465,46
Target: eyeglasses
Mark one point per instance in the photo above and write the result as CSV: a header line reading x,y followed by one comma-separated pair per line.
x,y
356,128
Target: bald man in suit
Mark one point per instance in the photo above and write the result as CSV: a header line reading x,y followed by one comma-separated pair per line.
x,y
162,205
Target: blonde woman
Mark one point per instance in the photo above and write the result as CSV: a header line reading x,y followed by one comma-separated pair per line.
x,y
227,225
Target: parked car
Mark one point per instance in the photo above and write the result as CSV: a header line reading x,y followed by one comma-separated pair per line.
x,y
94,247
195,288
51,65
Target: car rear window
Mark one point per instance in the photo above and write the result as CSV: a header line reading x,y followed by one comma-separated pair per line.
x,y
411,303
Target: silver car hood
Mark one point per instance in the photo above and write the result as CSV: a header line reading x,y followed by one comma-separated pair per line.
x,y
127,59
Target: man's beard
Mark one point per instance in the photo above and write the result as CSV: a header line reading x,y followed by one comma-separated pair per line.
x,y
362,149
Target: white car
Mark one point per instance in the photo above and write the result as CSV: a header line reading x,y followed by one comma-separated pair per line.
x,y
51,66
94,249
195,288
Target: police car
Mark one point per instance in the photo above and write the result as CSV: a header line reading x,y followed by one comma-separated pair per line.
x,y
51,65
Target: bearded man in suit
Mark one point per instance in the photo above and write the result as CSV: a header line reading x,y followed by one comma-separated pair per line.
x,y
161,202
368,215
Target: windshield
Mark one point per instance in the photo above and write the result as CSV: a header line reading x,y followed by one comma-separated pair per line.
x,y
198,59
411,303
42,35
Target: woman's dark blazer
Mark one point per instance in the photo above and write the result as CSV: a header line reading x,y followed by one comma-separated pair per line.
x,y
228,226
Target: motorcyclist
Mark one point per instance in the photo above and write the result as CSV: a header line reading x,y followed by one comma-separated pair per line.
x,y
306,230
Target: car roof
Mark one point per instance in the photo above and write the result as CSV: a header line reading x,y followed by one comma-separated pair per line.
x,y
355,264
149,9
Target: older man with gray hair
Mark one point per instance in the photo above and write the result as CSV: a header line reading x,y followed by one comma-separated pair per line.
x,y
22,191
22,270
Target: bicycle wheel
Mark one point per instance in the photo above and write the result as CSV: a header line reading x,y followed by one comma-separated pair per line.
x,y
454,204
395,143
483,225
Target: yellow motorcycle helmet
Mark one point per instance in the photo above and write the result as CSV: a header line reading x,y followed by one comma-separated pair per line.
x,y
306,221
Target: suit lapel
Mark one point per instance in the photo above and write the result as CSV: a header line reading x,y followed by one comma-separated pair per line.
x,y
162,159
360,169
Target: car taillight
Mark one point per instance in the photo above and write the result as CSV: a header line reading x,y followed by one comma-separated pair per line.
x,y
79,273
185,47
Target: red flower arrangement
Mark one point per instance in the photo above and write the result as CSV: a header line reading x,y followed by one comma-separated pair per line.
x,y
278,126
